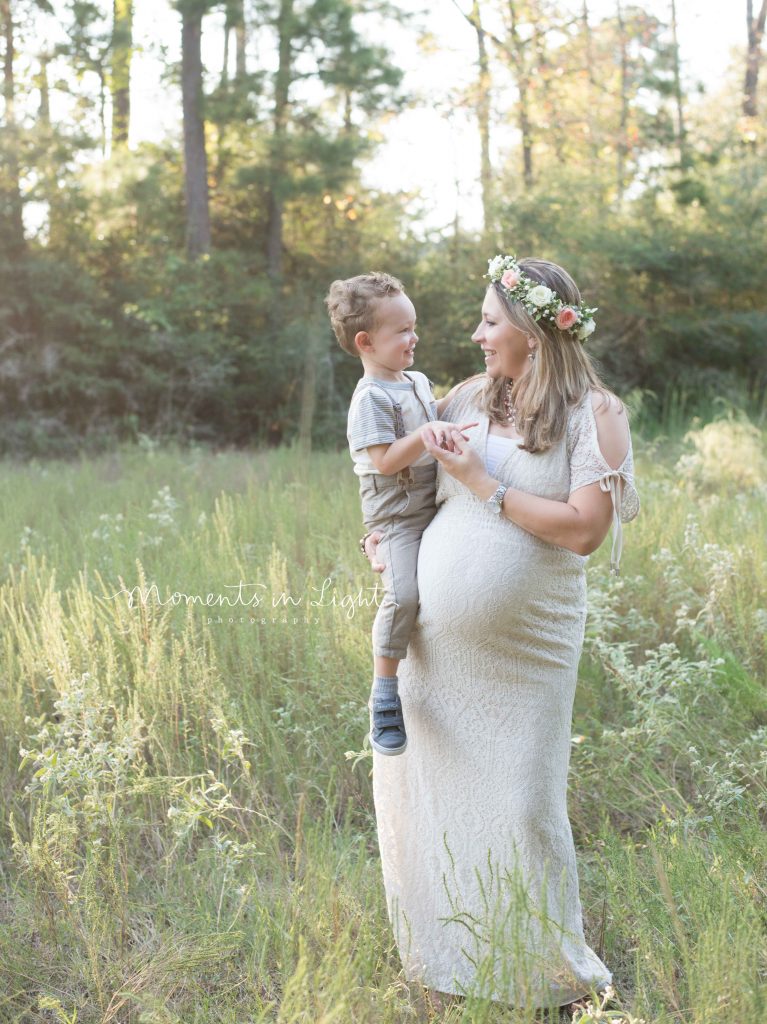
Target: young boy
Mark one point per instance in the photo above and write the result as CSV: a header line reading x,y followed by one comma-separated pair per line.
x,y
374,320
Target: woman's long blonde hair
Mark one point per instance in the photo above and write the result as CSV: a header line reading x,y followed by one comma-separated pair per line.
x,y
560,375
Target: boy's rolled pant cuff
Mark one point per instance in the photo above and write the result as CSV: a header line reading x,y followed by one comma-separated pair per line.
x,y
389,652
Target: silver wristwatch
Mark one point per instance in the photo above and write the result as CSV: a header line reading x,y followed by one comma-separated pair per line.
x,y
496,500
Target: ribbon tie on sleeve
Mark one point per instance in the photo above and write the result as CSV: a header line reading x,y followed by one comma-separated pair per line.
x,y
610,483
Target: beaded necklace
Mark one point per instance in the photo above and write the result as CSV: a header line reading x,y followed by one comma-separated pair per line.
x,y
511,412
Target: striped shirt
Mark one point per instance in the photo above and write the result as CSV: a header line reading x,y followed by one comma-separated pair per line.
x,y
381,411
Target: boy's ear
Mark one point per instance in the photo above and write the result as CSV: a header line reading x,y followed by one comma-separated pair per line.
x,y
362,341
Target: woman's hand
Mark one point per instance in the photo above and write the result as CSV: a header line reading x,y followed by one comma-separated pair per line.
x,y
371,548
441,433
460,460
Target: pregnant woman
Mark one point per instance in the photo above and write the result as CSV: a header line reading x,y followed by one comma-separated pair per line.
x,y
476,847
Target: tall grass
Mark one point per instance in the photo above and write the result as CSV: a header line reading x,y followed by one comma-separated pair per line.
x,y
184,837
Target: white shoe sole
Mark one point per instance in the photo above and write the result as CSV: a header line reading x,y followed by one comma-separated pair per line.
x,y
386,750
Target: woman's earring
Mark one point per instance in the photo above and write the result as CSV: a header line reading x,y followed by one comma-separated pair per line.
x,y
532,355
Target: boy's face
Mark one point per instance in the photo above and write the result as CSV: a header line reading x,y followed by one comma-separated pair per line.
x,y
391,343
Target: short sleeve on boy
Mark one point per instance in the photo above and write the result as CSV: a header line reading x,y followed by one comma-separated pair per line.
x,y
371,419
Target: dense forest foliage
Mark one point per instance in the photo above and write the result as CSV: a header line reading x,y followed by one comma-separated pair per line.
x,y
175,288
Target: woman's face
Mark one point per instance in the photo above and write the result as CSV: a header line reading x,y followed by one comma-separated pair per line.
x,y
505,346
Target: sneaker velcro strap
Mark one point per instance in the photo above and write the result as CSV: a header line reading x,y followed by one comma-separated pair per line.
x,y
387,716
389,723
387,705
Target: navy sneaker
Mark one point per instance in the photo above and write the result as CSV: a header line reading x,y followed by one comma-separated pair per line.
x,y
387,726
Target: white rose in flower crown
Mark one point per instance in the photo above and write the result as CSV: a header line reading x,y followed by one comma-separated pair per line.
x,y
540,295
586,329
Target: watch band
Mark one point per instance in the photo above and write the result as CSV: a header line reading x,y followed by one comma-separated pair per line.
x,y
495,501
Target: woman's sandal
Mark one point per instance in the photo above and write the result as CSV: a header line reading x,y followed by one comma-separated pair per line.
x,y
570,1009
609,1003
441,1001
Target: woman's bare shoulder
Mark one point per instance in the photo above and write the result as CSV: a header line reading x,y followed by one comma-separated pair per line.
x,y
605,403
611,418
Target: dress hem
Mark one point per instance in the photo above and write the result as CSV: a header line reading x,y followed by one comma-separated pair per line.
x,y
602,985
599,986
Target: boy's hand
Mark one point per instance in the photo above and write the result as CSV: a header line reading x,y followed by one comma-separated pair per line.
x,y
439,432
371,547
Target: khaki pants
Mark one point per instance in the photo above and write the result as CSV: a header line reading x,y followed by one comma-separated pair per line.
x,y
401,507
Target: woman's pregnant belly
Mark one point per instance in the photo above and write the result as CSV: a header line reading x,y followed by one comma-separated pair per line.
x,y
482,580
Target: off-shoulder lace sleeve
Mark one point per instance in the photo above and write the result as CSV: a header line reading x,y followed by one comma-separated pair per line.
x,y
588,466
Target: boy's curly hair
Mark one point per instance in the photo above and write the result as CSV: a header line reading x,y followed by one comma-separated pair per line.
x,y
352,304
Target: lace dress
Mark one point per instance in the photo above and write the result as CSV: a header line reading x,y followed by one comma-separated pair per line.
x,y
476,847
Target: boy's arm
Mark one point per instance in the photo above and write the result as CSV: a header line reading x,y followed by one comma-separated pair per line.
x,y
391,458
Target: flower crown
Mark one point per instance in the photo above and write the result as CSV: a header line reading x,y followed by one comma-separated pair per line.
x,y
540,302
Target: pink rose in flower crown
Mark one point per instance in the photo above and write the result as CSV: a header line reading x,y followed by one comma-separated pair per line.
x,y
510,279
566,317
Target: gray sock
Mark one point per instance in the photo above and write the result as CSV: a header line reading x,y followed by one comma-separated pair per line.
x,y
384,688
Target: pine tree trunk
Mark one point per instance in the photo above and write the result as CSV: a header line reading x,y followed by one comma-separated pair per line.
x,y
523,82
235,23
281,92
122,50
624,108
555,131
591,88
225,60
241,35
195,156
753,57
483,118
11,199
47,166
681,130
102,73
219,160
44,112
314,335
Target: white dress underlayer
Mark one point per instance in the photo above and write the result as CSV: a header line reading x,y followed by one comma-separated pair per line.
x,y
476,847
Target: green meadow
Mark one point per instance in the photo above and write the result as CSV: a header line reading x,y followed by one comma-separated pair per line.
x,y
188,831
